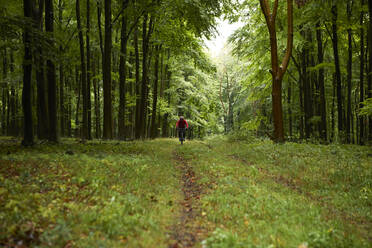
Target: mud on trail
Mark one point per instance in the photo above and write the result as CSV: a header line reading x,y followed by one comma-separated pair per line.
x,y
186,232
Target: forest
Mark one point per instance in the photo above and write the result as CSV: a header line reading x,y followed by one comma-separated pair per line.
x,y
278,148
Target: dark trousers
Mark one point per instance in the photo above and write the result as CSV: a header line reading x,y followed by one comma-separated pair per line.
x,y
181,133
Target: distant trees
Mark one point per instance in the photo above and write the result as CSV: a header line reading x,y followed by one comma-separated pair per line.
x,y
126,61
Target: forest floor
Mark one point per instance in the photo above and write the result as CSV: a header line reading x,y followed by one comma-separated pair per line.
x,y
213,193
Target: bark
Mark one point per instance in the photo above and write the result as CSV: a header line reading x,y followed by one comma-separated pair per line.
x,y
5,94
278,71
51,75
99,13
137,62
289,108
306,88
322,98
168,74
28,135
78,91
123,75
369,72
361,77
107,96
154,127
84,130
13,127
96,103
61,77
89,73
349,76
145,50
42,110
338,71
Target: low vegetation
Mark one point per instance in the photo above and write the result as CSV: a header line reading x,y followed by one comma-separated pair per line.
x,y
129,194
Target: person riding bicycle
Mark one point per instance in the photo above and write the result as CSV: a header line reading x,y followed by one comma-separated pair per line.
x,y
181,126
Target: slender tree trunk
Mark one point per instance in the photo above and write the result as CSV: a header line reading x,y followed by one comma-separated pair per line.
x,y
323,104
289,108
168,74
361,77
306,89
5,94
349,76
84,131
138,102
78,91
369,72
51,75
145,50
89,73
61,76
96,101
123,75
107,94
42,110
338,70
13,129
154,127
333,107
28,135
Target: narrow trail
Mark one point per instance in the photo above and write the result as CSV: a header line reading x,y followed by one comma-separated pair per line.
x,y
186,232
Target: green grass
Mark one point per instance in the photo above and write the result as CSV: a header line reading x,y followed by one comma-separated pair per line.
x,y
104,195
126,194
267,195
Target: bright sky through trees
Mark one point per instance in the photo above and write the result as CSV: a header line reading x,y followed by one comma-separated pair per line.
x,y
224,30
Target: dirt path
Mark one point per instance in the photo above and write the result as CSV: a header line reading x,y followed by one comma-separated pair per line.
x,y
186,232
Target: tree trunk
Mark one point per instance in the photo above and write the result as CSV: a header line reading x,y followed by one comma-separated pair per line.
x,y
28,135
138,102
369,72
306,88
168,74
84,130
51,75
89,73
289,108
154,127
5,94
322,98
78,91
145,46
278,71
361,77
13,128
349,76
107,97
42,110
61,77
123,75
338,71
96,102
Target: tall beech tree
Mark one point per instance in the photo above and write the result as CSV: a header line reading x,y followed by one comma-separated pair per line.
x,y
83,68
277,70
107,94
51,74
337,69
28,135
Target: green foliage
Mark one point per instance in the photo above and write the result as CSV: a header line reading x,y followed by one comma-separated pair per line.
x,y
367,107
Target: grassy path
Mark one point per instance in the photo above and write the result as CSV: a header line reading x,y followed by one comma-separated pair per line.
x,y
214,193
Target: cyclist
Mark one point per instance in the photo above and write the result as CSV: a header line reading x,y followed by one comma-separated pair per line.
x,y
181,126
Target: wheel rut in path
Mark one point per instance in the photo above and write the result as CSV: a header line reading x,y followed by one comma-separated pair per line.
x,y
186,232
